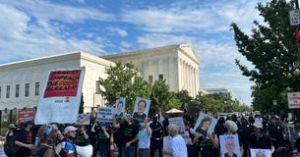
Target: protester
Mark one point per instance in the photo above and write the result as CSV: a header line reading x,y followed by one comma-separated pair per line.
x,y
177,145
82,138
144,136
259,139
25,140
157,137
296,149
69,148
103,142
10,147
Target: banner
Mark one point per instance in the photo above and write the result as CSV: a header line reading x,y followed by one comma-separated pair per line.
x,y
205,124
60,100
105,114
120,106
294,100
141,109
178,121
230,146
25,115
261,152
83,119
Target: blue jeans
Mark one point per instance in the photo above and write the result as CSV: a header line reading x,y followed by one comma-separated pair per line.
x,y
128,151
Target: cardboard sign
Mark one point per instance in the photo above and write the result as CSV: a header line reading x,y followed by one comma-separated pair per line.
x,y
294,100
83,119
105,114
230,146
178,121
205,124
141,109
25,115
120,106
61,98
261,153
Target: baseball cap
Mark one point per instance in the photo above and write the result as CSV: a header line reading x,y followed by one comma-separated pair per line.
x,y
12,126
69,129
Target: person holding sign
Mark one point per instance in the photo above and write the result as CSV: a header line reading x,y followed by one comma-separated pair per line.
x,y
144,136
102,136
177,144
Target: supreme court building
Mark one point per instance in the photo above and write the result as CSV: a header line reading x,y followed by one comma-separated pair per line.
x,y
21,83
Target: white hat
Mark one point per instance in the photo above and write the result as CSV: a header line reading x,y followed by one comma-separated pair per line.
x,y
231,126
69,129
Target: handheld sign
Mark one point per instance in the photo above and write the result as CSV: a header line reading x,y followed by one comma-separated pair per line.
x,y
25,115
120,106
141,109
178,121
205,125
83,119
261,153
105,114
230,146
60,100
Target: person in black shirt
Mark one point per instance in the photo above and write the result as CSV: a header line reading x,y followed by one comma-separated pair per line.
x,y
25,141
297,132
259,140
129,138
157,137
102,135
276,132
82,138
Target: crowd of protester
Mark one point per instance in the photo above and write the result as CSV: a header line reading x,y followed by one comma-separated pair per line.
x,y
125,137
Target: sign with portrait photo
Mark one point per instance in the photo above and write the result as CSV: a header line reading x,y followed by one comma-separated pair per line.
x,y
261,152
230,146
205,124
120,106
61,96
141,109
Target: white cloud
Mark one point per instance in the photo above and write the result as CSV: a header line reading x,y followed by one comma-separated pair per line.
x,y
46,11
118,31
194,18
22,39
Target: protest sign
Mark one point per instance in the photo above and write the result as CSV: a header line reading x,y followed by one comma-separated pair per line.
x,y
105,114
141,109
205,124
261,152
62,94
178,121
83,119
230,146
120,106
25,115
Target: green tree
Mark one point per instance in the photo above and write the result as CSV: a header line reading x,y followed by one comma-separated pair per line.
x,y
123,81
184,97
273,52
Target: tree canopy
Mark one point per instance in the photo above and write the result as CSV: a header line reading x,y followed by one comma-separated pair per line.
x,y
273,52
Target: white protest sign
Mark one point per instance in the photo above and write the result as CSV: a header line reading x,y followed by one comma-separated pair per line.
x,y
141,109
230,146
60,100
105,114
83,119
205,124
294,17
120,106
294,100
178,121
261,152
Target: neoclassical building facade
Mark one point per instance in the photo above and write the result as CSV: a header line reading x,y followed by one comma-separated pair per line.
x,y
22,83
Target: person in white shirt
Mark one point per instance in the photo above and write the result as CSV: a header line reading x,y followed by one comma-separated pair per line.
x,y
177,144
144,136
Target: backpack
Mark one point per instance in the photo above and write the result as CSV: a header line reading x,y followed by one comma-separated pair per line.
x,y
10,148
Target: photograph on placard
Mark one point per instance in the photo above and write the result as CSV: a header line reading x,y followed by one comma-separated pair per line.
x,y
83,119
261,153
120,106
230,146
205,124
141,109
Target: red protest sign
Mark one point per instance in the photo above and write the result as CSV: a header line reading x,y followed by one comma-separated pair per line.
x,y
26,115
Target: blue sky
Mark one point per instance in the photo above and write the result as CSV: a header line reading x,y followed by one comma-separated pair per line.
x,y
36,28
